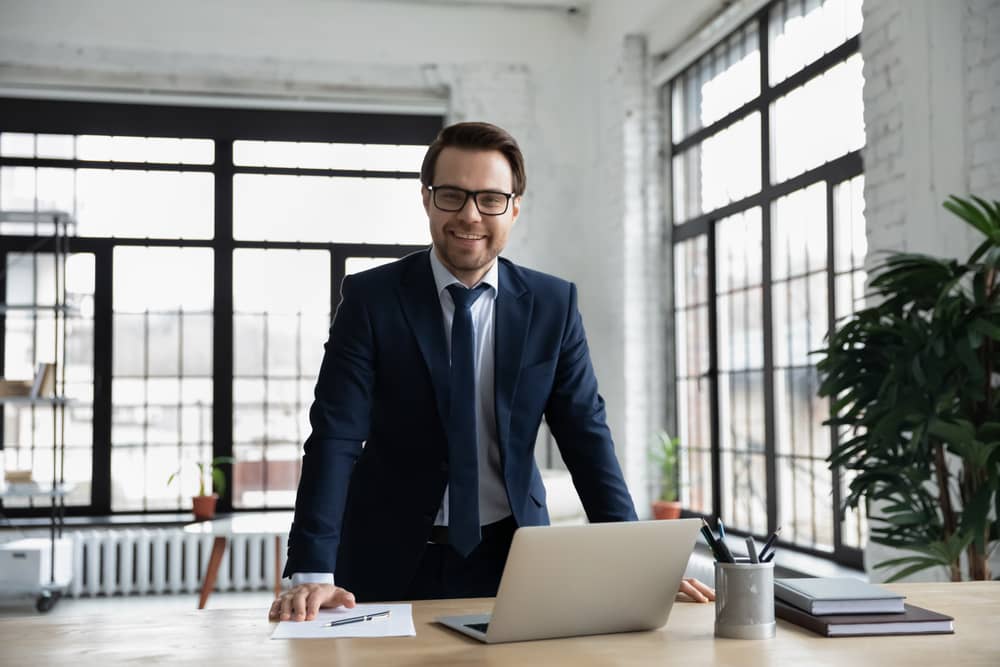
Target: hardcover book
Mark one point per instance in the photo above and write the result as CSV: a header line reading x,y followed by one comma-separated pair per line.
x,y
837,595
913,620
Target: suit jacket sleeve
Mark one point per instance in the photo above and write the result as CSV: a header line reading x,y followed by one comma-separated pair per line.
x,y
575,414
340,417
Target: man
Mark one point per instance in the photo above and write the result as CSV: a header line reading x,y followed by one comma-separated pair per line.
x,y
443,364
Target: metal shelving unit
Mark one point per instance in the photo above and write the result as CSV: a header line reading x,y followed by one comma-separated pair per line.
x,y
57,489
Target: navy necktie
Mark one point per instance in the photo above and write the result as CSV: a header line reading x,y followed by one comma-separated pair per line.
x,y
463,443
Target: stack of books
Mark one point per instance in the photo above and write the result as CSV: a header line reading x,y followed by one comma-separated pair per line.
x,y
845,607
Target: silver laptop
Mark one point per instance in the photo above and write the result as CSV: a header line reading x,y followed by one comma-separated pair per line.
x,y
563,581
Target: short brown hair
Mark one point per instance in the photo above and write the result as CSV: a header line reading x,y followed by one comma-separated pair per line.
x,y
483,136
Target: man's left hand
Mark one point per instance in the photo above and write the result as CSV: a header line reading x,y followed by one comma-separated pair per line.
x,y
692,590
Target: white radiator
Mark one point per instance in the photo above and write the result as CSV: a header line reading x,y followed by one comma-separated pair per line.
x,y
163,560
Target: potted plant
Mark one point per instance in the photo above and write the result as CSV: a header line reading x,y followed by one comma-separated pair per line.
x,y
916,396
664,454
204,504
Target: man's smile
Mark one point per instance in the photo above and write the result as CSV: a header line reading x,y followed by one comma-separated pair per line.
x,y
468,237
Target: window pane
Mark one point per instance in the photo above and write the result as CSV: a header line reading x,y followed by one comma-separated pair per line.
x,y
281,319
798,244
107,202
691,272
741,444
849,231
313,155
796,144
323,209
358,264
738,249
167,150
724,168
33,335
721,81
800,31
694,430
162,386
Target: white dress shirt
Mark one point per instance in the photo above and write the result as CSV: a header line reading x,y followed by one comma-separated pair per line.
x,y
493,502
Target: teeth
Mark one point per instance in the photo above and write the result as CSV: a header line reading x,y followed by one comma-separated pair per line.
x,y
471,237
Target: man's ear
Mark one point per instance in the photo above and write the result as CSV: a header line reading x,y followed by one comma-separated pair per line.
x,y
426,196
515,208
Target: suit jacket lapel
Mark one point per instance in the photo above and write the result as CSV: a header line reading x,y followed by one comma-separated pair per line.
x,y
422,308
513,313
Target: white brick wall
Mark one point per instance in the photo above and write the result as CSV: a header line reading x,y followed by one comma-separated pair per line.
x,y
982,77
932,96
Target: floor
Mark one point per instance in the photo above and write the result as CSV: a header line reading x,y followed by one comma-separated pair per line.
x,y
135,604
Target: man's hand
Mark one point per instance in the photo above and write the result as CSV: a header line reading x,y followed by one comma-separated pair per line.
x,y
692,590
303,601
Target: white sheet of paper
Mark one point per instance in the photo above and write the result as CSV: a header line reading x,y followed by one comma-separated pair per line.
x,y
398,624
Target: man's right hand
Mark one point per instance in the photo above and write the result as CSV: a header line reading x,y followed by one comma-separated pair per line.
x,y
303,601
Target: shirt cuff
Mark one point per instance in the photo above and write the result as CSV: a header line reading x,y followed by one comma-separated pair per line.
x,y
312,578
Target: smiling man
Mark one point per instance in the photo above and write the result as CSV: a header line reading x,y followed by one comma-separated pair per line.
x,y
437,373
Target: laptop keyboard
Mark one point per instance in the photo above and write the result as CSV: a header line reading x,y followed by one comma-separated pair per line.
x,y
481,627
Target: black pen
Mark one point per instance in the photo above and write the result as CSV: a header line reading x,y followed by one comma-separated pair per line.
x,y
769,543
719,548
359,619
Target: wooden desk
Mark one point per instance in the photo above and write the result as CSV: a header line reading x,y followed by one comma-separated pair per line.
x,y
240,637
269,524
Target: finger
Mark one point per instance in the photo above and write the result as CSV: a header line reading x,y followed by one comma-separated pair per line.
x,y
275,610
299,597
692,592
286,607
313,603
341,598
704,588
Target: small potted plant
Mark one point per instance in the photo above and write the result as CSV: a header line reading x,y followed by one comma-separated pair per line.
x,y
204,504
664,454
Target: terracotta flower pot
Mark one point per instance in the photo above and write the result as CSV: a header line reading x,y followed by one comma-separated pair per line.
x,y
663,509
204,506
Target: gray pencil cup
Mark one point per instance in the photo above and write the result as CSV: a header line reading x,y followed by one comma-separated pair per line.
x,y
744,600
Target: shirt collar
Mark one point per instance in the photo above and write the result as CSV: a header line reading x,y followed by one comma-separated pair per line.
x,y
443,277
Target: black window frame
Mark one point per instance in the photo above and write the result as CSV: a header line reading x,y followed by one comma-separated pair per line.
x,y
833,173
223,125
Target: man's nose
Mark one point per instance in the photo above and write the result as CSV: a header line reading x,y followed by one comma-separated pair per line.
x,y
470,212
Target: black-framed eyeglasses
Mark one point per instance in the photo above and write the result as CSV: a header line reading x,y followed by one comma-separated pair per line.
x,y
488,202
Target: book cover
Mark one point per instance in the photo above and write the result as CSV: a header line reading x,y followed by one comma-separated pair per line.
x,y
913,620
837,595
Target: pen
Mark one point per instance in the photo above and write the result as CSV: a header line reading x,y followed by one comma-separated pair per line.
x,y
769,543
752,550
722,529
359,619
719,548
711,542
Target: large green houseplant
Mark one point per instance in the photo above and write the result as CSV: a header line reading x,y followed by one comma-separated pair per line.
x,y
915,384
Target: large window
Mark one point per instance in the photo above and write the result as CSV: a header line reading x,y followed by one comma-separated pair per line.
x,y
205,253
769,245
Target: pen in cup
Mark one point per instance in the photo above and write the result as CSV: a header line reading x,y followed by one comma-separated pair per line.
x,y
722,529
751,550
718,547
769,544
359,619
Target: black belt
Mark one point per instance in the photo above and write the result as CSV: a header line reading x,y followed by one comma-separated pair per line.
x,y
439,534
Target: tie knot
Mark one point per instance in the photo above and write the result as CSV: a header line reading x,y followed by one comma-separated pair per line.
x,y
464,297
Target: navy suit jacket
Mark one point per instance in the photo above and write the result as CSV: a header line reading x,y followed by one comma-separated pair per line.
x,y
365,512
